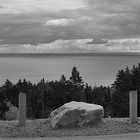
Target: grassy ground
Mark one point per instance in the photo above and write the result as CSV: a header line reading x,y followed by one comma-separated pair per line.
x,y
42,128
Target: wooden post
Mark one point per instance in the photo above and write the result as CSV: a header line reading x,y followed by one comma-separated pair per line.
x,y
133,106
22,109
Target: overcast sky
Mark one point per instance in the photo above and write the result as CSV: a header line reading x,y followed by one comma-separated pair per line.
x,y
69,25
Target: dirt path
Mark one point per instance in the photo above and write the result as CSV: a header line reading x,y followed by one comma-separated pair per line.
x,y
113,137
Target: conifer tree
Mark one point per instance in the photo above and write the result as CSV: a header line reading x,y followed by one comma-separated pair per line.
x,y
63,79
75,78
78,84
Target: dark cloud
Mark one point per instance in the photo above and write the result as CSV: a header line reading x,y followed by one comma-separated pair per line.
x,y
98,41
113,6
29,28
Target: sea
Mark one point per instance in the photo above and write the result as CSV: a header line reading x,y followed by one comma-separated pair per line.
x,y
95,68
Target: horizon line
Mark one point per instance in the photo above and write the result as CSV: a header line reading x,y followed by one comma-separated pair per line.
x,y
70,54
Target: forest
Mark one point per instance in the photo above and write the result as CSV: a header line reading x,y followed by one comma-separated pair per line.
x,y
45,96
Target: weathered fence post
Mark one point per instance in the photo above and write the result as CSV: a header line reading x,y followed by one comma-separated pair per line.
x,y
22,109
133,106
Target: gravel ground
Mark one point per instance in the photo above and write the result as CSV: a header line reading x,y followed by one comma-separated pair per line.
x,y
42,128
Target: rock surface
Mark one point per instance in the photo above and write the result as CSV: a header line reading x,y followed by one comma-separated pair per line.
x,y
76,114
12,114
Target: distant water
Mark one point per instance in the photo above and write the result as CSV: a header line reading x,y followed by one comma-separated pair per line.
x,y
95,69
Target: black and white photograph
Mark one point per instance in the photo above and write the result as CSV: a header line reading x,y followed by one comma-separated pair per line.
x,y
69,69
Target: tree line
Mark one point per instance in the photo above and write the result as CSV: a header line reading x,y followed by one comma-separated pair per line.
x,y
45,96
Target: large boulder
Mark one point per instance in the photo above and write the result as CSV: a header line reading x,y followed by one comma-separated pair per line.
x,y
12,114
76,114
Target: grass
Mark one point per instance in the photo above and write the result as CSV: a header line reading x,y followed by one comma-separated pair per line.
x,y
42,128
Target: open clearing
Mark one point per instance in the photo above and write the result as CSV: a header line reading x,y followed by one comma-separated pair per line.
x,y
42,128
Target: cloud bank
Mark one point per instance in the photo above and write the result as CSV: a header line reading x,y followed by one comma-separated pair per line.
x,y
75,46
